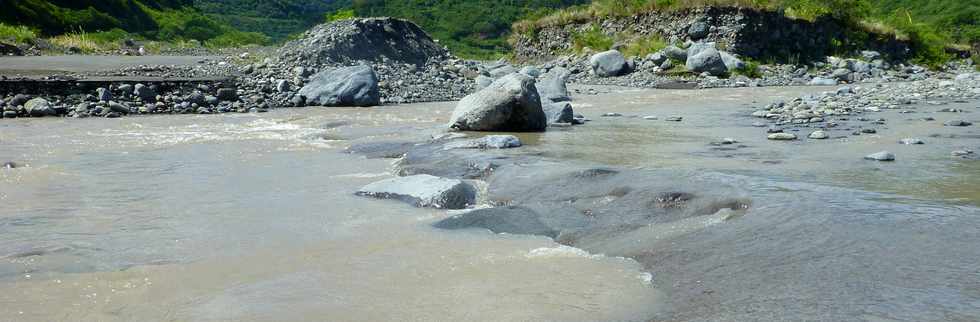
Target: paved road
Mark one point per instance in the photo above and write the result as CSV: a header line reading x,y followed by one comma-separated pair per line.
x,y
46,65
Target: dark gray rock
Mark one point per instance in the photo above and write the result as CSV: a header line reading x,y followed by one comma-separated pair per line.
x,y
560,112
196,98
227,94
347,86
509,220
509,104
957,123
708,60
609,64
552,86
423,191
19,100
698,30
144,93
675,53
39,107
103,94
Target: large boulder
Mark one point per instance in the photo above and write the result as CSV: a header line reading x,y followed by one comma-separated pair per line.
x,y
708,60
552,87
347,86
559,112
609,63
39,107
675,53
145,93
510,220
731,61
509,104
698,47
482,82
502,70
362,39
423,191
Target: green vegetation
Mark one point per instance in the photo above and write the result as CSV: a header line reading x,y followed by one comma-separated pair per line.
x,y
16,34
592,38
96,25
276,19
750,70
643,45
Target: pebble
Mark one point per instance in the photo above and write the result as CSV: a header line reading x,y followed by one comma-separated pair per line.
x,y
884,156
674,119
911,141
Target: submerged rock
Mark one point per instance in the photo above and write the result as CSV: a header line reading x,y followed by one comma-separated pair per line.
x,y
347,86
487,142
509,220
819,135
560,112
881,156
511,103
423,191
782,136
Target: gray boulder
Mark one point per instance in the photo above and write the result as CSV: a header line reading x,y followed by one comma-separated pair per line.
x,y
698,47
227,94
144,93
19,100
731,61
707,60
423,191
196,98
509,104
559,112
103,94
552,87
609,63
118,108
39,107
509,220
657,58
698,30
347,86
675,53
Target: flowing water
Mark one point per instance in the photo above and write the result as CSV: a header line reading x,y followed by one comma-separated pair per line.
x,y
252,217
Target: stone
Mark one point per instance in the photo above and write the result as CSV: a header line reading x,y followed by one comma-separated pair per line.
x,y
674,119
347,86
227,94
103,94
423,191
500,220
609,64
115,107
911,141
657,58
819,135
884,156
282,86
39,107
698,47
560,112
731,61
782,136
510,103
196,98
19,100
707,61
144,93
675,53
698,30
502,71
551,87
957,123
821,81
487,142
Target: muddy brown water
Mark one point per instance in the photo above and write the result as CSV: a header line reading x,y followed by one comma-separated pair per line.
x,y
252,217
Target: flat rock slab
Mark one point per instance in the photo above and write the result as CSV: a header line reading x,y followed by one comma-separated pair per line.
x,y
510,220
423,191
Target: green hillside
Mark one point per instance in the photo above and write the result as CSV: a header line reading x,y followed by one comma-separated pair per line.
x,y
276,19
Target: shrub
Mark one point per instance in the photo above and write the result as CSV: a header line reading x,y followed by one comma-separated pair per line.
x,y
17,34
592,38
642,46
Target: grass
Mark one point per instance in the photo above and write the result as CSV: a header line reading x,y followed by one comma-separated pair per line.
x,y
16,34
644,45
592,38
